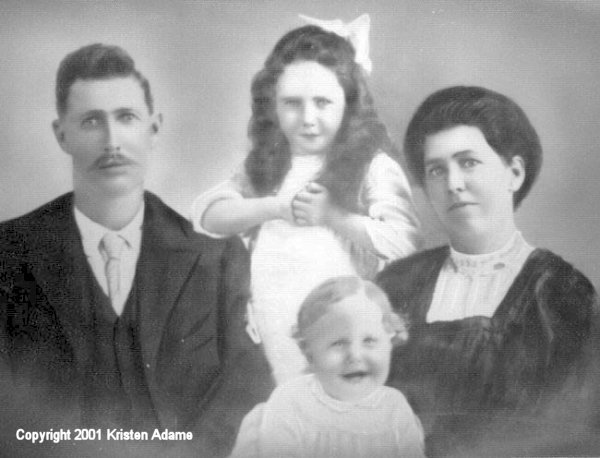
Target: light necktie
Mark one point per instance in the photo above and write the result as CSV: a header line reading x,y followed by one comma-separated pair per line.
x,y
111,247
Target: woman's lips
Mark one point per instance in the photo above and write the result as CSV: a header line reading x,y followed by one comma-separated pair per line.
x,y
458,205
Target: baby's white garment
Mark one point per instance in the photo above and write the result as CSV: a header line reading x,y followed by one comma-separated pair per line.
x,y
300,420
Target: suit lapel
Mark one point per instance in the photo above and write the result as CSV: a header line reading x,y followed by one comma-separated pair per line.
x,y
56,269
165,264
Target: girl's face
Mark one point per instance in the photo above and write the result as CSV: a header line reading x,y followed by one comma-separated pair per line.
x,y
348,348
471,188
310,106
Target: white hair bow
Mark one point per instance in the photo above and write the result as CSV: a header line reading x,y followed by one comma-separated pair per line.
x,y
356,32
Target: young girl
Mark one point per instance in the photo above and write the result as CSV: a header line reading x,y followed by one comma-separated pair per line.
x,y
346,330
318,196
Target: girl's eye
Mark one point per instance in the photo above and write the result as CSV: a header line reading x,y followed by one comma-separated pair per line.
x,y
322,102
370,341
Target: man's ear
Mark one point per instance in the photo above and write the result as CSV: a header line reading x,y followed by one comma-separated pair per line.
x,y
59,133
155,127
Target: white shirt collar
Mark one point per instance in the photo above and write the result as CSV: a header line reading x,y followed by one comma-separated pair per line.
x,y
92,232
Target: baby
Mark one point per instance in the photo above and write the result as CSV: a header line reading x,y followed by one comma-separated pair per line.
x,y
346,330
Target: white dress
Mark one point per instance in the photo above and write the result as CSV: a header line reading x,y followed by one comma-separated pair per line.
x,y
300,420
288,260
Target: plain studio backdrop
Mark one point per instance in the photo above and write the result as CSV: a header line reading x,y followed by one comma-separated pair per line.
x,y
200,57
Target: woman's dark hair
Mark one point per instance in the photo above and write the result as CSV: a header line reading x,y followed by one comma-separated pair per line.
x,y
360,135
502,122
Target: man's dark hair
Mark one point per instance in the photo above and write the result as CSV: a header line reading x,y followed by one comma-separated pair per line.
x,y
96,61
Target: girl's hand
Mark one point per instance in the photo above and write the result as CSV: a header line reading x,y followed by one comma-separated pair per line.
x,y
313,206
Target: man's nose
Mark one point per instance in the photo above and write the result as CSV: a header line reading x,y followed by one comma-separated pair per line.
x,y
111,137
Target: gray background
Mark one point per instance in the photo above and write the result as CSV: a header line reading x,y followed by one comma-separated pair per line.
x,y
201,55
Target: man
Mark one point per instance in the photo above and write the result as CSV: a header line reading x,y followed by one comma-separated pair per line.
x,y
115,314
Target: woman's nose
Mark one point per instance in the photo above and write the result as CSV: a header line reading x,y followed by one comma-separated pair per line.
x,y
455,179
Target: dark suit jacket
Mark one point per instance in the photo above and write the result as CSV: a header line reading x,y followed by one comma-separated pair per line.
x,y
202,371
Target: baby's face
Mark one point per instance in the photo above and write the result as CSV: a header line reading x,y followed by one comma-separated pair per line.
x,y
349,349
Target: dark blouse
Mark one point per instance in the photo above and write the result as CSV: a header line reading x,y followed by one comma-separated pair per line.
x,y
485,386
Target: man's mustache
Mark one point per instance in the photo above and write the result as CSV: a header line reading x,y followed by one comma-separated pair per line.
x,y
112,159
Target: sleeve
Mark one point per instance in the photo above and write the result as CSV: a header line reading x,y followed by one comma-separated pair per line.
x,y
280,434
245,380
237,187
391,221
568,312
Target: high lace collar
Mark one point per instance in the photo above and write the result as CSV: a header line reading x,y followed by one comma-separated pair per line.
x,y
490,263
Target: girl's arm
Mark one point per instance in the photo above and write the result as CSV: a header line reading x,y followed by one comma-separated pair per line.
x,y
390,228
231,208
313,207
230,216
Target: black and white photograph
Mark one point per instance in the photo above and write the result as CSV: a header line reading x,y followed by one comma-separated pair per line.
x,y
271,228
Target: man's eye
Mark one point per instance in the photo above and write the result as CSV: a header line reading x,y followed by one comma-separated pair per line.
x,y
91,122
291,103
127,117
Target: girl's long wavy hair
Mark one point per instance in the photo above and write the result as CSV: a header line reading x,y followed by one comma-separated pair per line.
x,y
360,135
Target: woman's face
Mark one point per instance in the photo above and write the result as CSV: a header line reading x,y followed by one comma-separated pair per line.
x,y
471,188
310,106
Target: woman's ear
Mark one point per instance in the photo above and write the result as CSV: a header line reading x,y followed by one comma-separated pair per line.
x,y
517,168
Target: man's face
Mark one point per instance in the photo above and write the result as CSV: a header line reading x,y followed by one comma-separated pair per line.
x,y
109,132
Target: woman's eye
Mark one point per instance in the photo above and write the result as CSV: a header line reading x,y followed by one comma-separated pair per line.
x,y
469,163
435,172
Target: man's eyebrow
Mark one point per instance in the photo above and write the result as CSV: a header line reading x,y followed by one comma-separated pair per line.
x,y
127,110
92,112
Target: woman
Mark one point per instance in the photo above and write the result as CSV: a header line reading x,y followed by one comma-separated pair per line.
x,y
499,329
